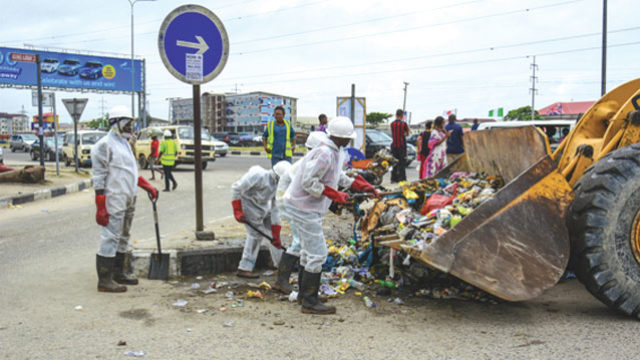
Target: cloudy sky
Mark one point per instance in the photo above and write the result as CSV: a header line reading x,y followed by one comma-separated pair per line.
x,y
469,55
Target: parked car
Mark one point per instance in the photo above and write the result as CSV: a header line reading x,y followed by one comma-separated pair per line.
x,y
91,70
49,153
230,138
21,142
413,139
69,67
184,136
377,140
49,65
86,140
221,147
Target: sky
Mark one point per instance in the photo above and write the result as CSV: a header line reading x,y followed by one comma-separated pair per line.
x,y
469,55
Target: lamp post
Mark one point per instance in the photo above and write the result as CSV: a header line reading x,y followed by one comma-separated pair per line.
x,y
133,70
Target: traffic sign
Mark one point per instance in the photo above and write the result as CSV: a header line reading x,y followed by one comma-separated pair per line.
x,y
193,30
75,107
47,98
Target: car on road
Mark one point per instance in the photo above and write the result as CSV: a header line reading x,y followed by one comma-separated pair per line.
x,y
91,70
86,140
49,153
413,139
69,67
49,65
21,142
221,147
377,140
184,136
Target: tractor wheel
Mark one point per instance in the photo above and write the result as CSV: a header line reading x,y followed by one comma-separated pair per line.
x,y
604,226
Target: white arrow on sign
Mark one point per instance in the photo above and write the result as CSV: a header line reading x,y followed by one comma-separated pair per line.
x,y
201,45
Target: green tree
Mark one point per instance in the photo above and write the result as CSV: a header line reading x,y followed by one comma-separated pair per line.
x,y
522,113
100,123
376,118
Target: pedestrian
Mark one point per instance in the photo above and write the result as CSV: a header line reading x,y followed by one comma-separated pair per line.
x,y
437,158
115,177
168,152
253,202
475,125
292,255
153,156
423,148
279,138
455,147
322,118
399,132
308,198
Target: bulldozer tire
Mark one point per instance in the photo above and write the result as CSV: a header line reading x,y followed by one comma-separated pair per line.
x,y
604,227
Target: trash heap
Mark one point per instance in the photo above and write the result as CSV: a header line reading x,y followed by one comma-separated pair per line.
x,y
414,214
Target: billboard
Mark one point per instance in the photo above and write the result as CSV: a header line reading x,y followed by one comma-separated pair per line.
x,y
359,123
70,71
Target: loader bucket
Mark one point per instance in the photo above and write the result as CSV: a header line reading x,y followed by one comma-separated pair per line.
x,y
514,245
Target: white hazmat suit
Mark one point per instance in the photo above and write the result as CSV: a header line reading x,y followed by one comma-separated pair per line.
x,y
116,172
256,190
306,205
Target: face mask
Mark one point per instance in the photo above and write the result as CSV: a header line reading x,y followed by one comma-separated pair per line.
x,y
120,129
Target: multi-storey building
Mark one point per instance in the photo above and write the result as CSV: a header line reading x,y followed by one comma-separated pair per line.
x,y
13,123
213,112
247,114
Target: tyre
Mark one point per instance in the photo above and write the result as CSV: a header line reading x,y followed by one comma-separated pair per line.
x,y
33,156
142,162
204,165
12,149
67,161
223,155
52,156
604,227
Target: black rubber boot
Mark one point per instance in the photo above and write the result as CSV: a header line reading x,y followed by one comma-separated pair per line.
x,y
300,276
310,302
287,262
119,275
104,266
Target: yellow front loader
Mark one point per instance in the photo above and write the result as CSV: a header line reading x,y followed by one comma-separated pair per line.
x,y
580,202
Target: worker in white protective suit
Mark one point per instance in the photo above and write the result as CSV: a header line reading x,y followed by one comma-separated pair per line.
x,y
289,259
308,198
115,177
253,202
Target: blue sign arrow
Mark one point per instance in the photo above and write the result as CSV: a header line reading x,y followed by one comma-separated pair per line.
x,y
193,29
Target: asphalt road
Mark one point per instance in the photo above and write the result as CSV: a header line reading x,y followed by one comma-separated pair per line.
x,y
47,269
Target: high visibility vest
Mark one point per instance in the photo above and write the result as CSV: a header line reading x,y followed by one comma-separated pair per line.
x,y
287,152
169,150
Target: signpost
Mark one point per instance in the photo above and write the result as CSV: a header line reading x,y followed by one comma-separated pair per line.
x,y
75,107
355,108
194,47
48,99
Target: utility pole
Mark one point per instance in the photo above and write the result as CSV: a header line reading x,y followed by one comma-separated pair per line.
x,y
603,87
404,103
533,89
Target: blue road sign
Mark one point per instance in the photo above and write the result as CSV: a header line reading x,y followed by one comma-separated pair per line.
x,y
193,44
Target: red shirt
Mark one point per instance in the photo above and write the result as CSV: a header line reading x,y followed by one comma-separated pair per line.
x,y
398,129
155,144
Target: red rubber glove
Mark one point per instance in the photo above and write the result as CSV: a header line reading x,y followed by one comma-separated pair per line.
x,y
237,211
148,187
335,195
360,184
102,216
275,231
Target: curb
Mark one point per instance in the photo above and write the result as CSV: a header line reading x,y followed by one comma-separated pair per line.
x,y
45,193
211,260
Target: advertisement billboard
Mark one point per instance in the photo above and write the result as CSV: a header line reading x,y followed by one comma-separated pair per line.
x,y
70,71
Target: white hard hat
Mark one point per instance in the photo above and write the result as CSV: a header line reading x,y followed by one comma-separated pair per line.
x,y
314,139
119,112
341,127
167,133
281,168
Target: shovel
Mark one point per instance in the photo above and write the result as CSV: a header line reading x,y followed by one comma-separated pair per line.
x,y
265,235
159,262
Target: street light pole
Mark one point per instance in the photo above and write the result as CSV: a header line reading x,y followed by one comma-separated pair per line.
x,y
133,70
404,102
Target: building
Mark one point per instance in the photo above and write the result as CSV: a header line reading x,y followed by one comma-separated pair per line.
x,y
247,114
565,110
13,123
181,111
213,113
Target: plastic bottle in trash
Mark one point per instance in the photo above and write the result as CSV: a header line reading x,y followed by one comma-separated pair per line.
x,y
356,284
367,302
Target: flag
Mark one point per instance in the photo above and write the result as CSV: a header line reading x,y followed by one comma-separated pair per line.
x,y
556,109
450,112
499,112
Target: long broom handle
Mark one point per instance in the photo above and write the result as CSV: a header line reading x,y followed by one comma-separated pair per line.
x,y
155,219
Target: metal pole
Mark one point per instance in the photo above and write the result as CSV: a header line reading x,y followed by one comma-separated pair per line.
x,y
197,142
40,120
55,131
404,103
144,94
75,133
353,108
603,88
133,70
533,89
